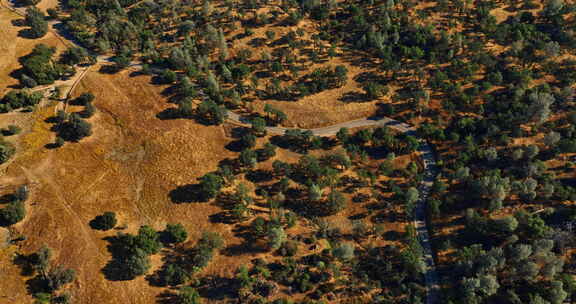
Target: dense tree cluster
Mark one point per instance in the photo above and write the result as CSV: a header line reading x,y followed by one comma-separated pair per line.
x,y
36,19
19,99
39,66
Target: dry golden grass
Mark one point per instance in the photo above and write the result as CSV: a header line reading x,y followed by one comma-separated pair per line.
x,y
46,4
128,166
316,110
13,287
13,47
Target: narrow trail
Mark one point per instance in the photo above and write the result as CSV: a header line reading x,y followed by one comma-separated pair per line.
x,y
431,276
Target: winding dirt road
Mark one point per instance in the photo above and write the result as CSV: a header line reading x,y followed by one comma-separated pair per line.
x,y
427,153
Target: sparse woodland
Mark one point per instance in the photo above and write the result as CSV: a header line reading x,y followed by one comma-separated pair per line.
x,y
489,84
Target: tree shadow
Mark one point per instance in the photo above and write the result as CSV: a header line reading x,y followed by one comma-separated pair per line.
x,y
167,297
109,69
27,34
223,217
37,284
7,198
235,146
354,97
170,113
218,288
259,176
24,263
187,194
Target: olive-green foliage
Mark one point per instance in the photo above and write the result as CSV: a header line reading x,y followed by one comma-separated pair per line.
x,y
74,55
38,65
74,129
36,19
189,295
106,221
11,130
12,213
136,264
148,240
19,99
211,113
210,185
174,233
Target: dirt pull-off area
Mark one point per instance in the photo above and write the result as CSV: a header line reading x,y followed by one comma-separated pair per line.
x,y
129,165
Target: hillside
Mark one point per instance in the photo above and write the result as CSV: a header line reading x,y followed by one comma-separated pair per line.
x,y
267,151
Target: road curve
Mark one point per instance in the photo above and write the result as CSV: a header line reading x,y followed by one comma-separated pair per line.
x,y
427,153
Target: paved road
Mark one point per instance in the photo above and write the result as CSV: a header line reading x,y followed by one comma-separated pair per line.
x,y
426,151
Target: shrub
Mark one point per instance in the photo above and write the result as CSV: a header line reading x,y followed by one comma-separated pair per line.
x,y
174,233
84,99
74,129
11,130
59,142
174,275
104,222
12,213
7,150
27,81
289,248
88,111
344,252
189,295
137,264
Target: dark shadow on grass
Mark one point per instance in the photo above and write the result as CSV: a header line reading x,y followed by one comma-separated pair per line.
x,y
223,217
235,146
167,297
109,69
259,176
51,146
187,194
354,97
170,113
7,198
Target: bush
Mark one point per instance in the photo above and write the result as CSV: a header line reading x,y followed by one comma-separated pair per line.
x,y
104,222
344,252
84,99
12,214
168,76
174,275
74,129
88,111
189,295
174,233
289,248
137,264
7,150
59,142
52,13
11,130
27,81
